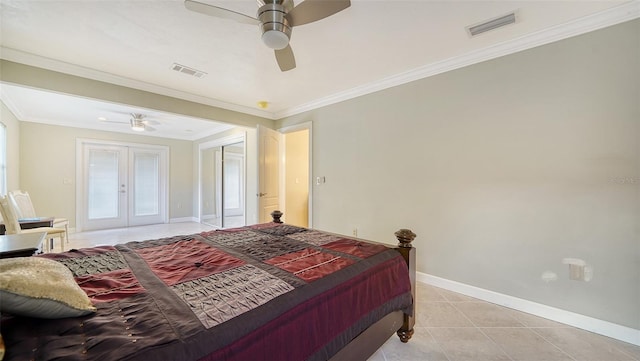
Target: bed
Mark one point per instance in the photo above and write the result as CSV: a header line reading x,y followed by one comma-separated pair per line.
x,y
264,292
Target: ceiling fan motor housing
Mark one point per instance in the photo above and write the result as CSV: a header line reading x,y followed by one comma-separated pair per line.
x,y
275,27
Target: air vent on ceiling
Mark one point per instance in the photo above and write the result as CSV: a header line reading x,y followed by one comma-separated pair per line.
x,y
189,71
492,24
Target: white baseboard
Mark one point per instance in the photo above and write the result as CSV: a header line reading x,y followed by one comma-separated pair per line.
x,y
184,219
609,329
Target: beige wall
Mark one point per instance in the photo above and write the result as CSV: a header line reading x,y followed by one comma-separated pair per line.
x,y
503,169
13,147
297,178
47,158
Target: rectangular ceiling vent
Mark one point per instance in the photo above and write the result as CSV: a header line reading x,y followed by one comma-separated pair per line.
x,y
189,71
492,24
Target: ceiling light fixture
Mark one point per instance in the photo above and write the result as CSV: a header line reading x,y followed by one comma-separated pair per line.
x,y
136,123
276,31
263,104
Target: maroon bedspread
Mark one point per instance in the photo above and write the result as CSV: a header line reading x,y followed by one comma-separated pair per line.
x,y
264,292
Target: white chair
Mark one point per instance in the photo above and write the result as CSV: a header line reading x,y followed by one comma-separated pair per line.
x,y
26,210
9,213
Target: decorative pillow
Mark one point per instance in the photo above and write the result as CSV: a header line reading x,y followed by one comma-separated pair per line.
x,y
41,288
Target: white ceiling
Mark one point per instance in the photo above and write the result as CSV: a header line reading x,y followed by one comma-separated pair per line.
x,y
367,47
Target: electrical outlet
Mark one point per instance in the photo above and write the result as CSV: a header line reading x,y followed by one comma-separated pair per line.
x,y
355,232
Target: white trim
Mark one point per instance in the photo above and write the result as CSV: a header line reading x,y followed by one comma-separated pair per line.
x,y
616,15
606,328
184,219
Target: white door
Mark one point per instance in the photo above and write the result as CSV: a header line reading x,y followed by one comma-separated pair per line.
x,y
268,173
146,198
122,186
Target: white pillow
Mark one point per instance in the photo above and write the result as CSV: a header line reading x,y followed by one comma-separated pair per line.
x,y
41,288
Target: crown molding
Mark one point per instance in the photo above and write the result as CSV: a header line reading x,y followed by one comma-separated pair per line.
x,y
10,104
616,15
77,70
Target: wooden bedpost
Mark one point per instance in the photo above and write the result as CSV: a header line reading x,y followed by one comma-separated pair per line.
x,y
276,216
408,252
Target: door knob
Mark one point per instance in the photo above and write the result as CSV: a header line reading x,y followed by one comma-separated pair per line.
x,y
262,194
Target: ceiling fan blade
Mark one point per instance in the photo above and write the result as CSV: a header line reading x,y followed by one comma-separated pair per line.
x,y
309,11
219,12
286,60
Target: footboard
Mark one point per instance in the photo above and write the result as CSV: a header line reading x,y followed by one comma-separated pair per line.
x,y
402,323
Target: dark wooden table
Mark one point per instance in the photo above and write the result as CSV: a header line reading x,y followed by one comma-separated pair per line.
x,y
28,223
21,245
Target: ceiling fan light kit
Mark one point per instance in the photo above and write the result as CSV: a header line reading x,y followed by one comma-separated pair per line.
x,y
276,19
276,31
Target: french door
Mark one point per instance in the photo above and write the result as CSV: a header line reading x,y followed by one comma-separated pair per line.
x,y
122,185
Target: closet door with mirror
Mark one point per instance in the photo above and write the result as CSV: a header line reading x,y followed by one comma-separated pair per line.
x,y
222,183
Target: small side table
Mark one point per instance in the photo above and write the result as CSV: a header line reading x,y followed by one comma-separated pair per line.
x,y
21,245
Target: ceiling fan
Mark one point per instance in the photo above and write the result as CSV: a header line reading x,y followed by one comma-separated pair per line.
x,y
276,19
137,123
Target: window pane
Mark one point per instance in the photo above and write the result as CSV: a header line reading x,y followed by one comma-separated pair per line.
x,y
103,182
146,185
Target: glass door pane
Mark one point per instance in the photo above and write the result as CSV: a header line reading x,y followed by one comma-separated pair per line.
x,y
103,184
145,182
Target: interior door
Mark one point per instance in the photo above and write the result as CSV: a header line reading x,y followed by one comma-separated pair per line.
x,y
268,173
147,196
105,186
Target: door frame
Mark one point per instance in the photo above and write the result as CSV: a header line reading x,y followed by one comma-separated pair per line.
x,y
290,129
219,142
80,194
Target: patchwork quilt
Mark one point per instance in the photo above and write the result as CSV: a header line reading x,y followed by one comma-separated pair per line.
x,y
263,292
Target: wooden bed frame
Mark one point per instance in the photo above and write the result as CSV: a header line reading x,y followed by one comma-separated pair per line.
x,y
371,339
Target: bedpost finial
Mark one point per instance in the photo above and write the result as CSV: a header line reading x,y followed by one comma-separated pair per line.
x,y
276,216
405,237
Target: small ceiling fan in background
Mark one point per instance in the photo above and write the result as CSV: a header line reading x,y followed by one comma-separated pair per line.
x,y
276,19
137,123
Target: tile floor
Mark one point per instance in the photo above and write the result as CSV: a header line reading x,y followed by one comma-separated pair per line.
x,y
449,326
454,327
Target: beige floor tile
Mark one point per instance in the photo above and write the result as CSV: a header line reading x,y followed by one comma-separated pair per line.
x,y
467,344
629,349
440,314
484,314
425,292
530,320
583,345
421,347
522,344
455,297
